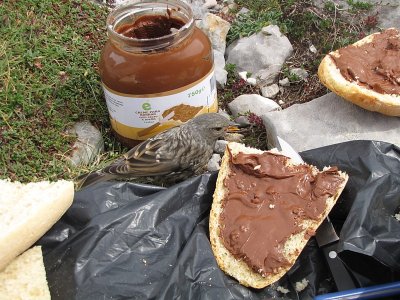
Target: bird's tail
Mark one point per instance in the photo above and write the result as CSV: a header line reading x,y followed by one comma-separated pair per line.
x,y
89,179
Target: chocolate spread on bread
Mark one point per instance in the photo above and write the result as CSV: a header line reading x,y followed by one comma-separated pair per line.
x,y
375,65
265,203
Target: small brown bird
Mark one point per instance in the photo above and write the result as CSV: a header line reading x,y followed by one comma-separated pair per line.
x,y
170,156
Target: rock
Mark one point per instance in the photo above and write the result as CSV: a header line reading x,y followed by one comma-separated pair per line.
x,y
234,137
329,120
221,74
220,146
313,49
254,103
387,11
270,91
229,8
210,3
216,29
242,121
224,113
299,72
261,54
243,75
389,16
199,10
251,81
243,11
88,145
284,82
214,163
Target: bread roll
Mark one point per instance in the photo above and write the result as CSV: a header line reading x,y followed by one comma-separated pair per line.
x,y
366,73
256,225
25,278
28,211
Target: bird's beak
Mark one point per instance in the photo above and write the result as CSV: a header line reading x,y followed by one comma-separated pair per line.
x,y
232,128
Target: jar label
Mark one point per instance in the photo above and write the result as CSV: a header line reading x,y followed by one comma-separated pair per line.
x,y
139,117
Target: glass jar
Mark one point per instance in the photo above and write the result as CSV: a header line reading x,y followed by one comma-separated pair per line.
x,y
157,69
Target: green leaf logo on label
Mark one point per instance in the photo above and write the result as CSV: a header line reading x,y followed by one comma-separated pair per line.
x,y
146,106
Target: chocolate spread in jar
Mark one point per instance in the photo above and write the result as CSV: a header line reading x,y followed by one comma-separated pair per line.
x,y
155,60
265,203
151,26
374,65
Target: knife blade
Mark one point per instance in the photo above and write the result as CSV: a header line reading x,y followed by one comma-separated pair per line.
x,y
326,236
327,240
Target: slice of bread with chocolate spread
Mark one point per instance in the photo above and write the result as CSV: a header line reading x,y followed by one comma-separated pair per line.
x,y
265,209
367,73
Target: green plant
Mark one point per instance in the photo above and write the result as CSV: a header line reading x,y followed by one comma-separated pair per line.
x,y
259,5
48,80
359,5
247,24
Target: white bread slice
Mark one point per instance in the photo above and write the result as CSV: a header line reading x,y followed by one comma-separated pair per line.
x,y
28,211
25,278
292,247
330,76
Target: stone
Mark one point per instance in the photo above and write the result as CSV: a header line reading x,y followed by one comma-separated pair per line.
x,y
242,121
214,163
216,29
198,8
88,145
387,11
222,112
251,81
284,82
243,11
261,54
243,75
253,103
389,16
210,3
220,146
313,49
221,74
234,137
299,72
270,91
329,120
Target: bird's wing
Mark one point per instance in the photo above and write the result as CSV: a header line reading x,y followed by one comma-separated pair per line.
x,y
146,159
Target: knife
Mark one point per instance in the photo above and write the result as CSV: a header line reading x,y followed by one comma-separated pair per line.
x,y
327,240
326,236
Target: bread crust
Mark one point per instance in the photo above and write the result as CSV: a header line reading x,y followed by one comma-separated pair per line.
x,y
331,77
25,277
41,216
237,268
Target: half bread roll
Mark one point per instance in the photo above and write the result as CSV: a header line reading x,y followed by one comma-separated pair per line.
x,y
25,278
366,73
28,211
265,209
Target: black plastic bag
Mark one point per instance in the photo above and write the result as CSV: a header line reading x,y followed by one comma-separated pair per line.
x,y
134,241
370,235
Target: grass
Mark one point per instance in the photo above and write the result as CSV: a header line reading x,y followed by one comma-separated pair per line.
x,y
49,78
48,81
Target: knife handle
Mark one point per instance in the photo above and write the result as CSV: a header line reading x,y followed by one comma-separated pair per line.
x,y
341,275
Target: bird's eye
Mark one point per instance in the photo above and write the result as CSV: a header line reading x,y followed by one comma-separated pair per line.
x,y
218,128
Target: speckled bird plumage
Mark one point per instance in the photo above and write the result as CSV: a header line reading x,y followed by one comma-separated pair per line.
x,y
170,156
